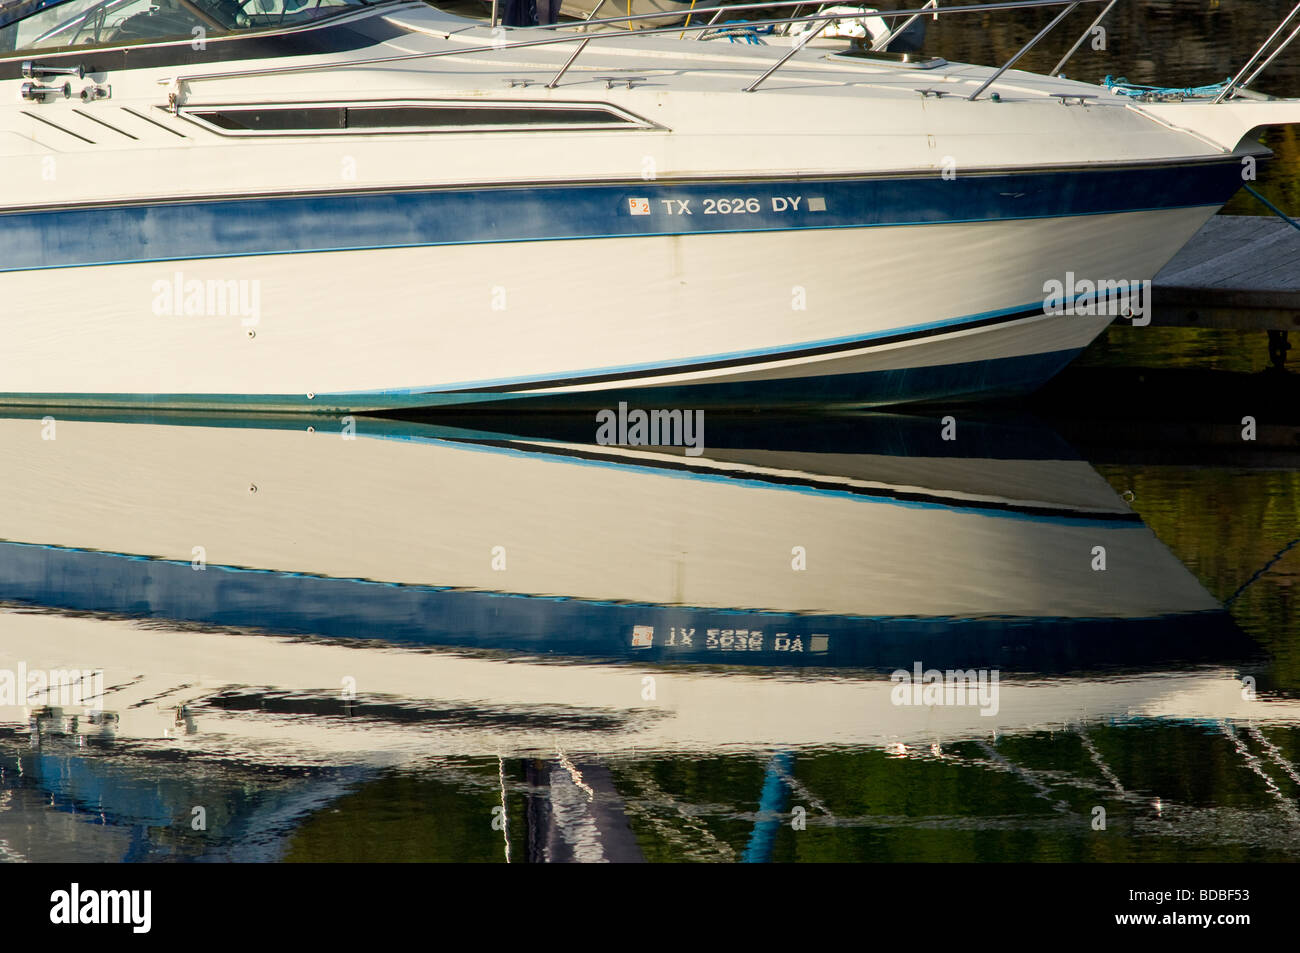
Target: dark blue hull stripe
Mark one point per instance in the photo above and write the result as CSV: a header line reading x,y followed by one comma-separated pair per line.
x,y
1000,377
271,225
996,434
290,603
807,484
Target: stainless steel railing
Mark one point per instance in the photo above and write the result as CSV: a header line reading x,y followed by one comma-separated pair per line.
x,y
623,35
1238,82
1056,70
883,42
1023,50
562,33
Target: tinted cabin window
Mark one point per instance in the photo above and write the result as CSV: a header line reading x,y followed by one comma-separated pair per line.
x,y
277,120
325,118
371,117
70,24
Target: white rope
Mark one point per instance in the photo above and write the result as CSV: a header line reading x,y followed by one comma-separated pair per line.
x,y
505,825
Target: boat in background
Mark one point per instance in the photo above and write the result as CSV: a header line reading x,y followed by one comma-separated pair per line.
x,y
857,27
356,206
673,11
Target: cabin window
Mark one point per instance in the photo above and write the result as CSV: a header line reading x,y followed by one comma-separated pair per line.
x,y
71,24
309,119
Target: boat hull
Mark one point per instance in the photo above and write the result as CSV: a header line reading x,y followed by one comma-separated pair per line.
x,y
342,304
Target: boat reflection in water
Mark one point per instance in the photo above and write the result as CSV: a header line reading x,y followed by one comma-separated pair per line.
x,y
289,619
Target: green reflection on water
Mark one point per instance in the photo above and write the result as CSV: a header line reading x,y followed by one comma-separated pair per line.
x,y
1239,352
1225,525
403,817
1171,792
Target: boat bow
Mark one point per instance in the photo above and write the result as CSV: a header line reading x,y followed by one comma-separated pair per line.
x,y
1224,125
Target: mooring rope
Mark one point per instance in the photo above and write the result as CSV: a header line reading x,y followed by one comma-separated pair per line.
x,y
1258,575
1274,209
1122,87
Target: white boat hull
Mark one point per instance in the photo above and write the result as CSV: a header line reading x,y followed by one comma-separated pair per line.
x,y
826,317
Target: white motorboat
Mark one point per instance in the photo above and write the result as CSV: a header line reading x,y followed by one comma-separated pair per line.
x,y
350,206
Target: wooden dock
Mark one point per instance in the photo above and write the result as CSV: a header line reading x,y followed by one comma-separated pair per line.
x,y
1240,272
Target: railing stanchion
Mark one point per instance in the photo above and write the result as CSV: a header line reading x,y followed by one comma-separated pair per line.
x,y
589,16
1023,50
793,50
702,34
883,43
569,62
1056,70
1271,57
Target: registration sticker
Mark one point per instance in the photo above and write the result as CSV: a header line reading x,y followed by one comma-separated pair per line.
x,y
643,636
638,206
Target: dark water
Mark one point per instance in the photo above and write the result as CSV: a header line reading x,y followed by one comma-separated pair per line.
x,y
466,641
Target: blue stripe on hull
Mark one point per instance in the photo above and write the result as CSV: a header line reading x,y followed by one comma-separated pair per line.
x,y
217,228
1002,377
292,603
992,378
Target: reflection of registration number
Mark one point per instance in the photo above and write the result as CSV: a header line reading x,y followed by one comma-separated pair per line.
x,y
730,206
734,640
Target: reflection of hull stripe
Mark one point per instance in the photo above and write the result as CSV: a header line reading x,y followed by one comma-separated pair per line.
x,y
301,603
812,485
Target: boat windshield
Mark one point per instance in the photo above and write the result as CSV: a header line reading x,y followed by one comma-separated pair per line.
x,y
66,24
